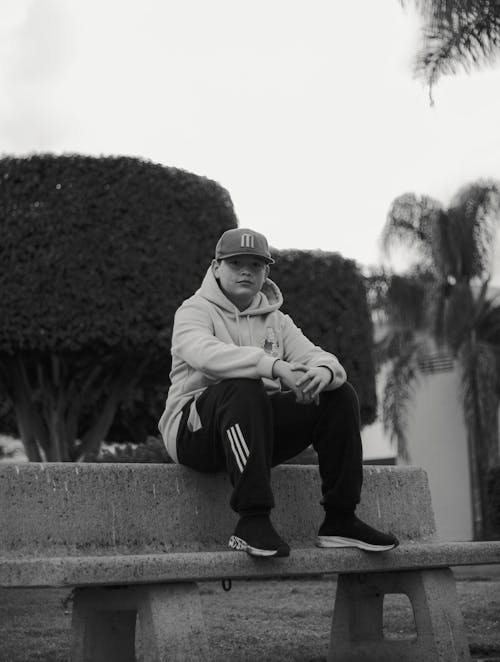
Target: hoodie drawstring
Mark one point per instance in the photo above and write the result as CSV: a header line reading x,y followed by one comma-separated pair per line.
x,y
237,314
250,329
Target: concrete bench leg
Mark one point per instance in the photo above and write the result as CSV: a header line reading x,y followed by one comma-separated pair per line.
x,y
171,623
103,625
357,626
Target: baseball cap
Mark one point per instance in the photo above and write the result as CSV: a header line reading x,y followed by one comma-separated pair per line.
x,y
242,241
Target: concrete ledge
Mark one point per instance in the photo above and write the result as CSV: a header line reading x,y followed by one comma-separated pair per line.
x,y
73,509
206,566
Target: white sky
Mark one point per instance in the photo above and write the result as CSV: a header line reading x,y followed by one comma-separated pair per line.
x,y
306,111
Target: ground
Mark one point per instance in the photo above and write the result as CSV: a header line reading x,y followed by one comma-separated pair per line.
x,y
274,620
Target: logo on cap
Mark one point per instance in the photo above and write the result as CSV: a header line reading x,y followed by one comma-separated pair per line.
x,y
247,241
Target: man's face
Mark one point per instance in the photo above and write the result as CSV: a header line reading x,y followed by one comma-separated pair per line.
x,y
241,277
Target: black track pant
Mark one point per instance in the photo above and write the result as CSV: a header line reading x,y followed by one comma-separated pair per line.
x,y
239,428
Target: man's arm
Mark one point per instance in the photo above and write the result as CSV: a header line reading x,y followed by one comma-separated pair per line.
x,y
322,370
306,383
193,340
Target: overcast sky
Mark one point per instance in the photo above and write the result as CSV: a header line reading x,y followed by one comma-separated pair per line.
x,y
306,111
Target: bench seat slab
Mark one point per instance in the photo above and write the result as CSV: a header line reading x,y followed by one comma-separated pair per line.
x,y
357,626
215,565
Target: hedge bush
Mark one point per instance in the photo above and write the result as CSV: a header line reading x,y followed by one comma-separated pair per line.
x,y
97,253
325,295
95,256
152,451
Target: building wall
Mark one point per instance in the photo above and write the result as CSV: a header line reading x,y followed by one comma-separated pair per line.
x,y
438,443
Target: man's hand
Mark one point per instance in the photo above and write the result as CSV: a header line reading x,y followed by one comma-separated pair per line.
x,y
313,381
308,385
287,373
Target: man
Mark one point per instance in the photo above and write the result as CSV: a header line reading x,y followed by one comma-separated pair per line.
x,y
249,391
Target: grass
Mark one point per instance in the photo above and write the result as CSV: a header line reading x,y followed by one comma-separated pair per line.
x,y
259,620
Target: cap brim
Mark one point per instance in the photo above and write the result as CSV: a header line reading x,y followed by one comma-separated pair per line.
x,y
269,260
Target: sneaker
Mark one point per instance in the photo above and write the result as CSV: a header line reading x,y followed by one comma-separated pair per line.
x,y
255,535
353,532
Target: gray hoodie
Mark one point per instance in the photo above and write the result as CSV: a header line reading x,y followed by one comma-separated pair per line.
x,y
212,340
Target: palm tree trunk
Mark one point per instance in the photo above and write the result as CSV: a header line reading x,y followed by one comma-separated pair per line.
x,y
480,414
475,488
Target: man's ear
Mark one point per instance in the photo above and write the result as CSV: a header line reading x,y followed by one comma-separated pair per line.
x,y
215,268
267,270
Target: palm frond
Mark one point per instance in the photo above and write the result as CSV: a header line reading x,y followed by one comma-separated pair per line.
x,y
457,34
392,345
409,224
480,373
487,321
376,285
439,10
474,214
399,351
398,303
401,381
451,313
406,302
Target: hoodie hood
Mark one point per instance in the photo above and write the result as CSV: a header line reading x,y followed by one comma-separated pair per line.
x,y
266,301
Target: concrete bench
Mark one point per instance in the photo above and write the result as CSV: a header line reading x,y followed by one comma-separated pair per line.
x,y
134,540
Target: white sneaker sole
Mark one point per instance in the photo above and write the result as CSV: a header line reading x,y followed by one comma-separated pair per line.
x,y
339,541
240,545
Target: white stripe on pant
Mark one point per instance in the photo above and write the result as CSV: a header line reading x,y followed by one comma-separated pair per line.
x,y
238,446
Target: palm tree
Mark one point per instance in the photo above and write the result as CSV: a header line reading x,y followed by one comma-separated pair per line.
x,y
446,301
402,343
457,33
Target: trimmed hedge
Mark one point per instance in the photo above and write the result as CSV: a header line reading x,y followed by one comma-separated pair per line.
x,y
152,451
97,253
325,295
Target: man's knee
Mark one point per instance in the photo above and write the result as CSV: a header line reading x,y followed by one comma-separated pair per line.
x,y
250,389
344,396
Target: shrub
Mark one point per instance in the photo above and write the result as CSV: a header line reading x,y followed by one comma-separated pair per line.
x,y
95,256
325,295
97,253
151,451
